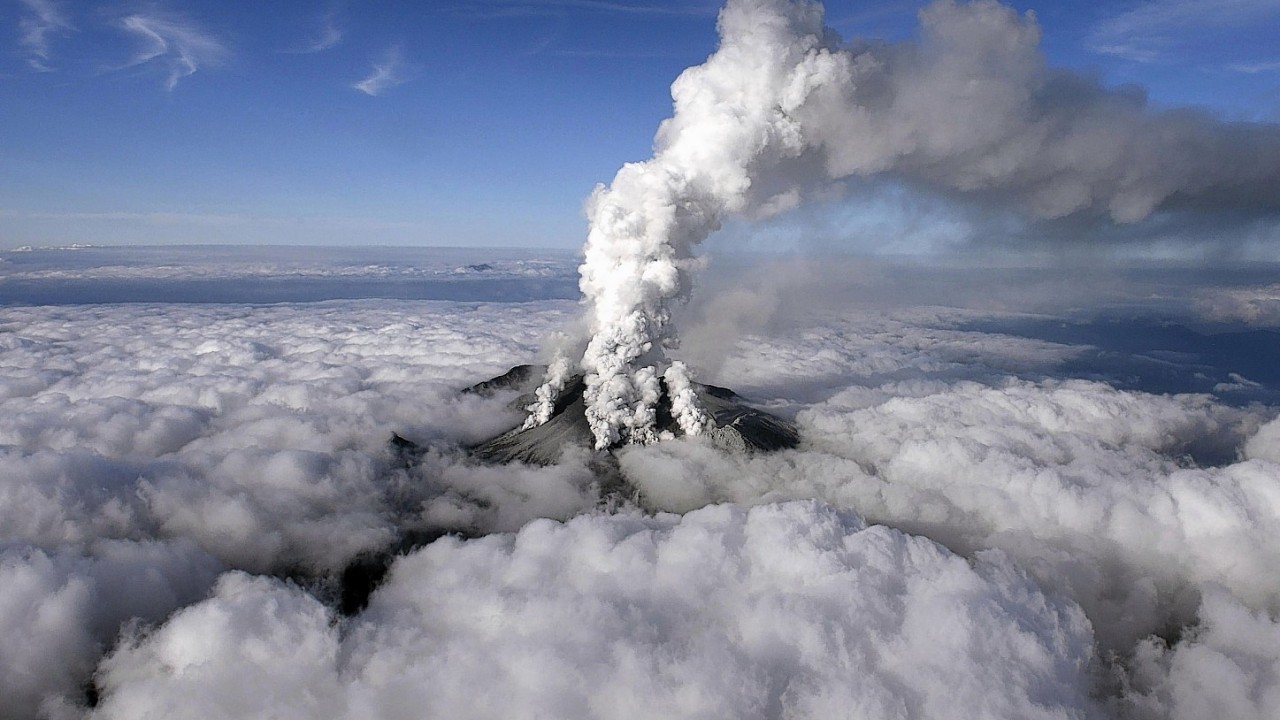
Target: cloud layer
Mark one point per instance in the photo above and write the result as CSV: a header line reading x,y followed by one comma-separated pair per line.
x,y
965,529
724,611
185,439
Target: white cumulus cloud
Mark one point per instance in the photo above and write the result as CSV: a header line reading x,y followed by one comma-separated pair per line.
x,y
966,528
793,610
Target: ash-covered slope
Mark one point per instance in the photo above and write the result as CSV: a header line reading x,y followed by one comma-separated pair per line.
x,y
738,427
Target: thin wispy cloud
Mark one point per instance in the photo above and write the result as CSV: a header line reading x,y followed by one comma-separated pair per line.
x,y
860,18
1255,68
1150,32
327,35
620,54
635,8
523,8
42,19
388,72
178,45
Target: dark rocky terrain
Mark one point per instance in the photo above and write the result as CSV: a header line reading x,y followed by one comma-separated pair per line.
x,y
738,427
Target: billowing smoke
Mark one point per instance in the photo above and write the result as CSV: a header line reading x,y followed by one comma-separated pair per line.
x,y
784,108
732,117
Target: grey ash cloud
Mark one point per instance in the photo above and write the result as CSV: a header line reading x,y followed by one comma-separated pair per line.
x,y
972,107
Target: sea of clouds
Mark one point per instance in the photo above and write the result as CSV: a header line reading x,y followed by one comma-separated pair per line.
x,y
983,520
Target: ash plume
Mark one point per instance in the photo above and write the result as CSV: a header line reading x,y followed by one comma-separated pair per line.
x,y
784,108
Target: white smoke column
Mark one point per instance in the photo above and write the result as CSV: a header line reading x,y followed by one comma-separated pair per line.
x,y
732,115
559,371
686,410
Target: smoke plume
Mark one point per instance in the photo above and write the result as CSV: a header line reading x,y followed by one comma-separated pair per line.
x,y
783,108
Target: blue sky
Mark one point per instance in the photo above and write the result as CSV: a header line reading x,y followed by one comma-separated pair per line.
x,y
458,122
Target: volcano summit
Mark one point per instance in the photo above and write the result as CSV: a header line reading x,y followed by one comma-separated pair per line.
x,y
732,425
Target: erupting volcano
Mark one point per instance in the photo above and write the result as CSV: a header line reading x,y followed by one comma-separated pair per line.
x,y
727,422
783,108
731,121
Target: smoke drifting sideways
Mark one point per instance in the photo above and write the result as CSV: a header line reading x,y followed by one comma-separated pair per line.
x,y
783,109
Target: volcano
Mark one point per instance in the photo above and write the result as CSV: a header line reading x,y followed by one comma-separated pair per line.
x,y
736,426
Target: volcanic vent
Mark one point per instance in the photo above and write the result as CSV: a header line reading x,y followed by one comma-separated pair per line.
x,y
733,425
